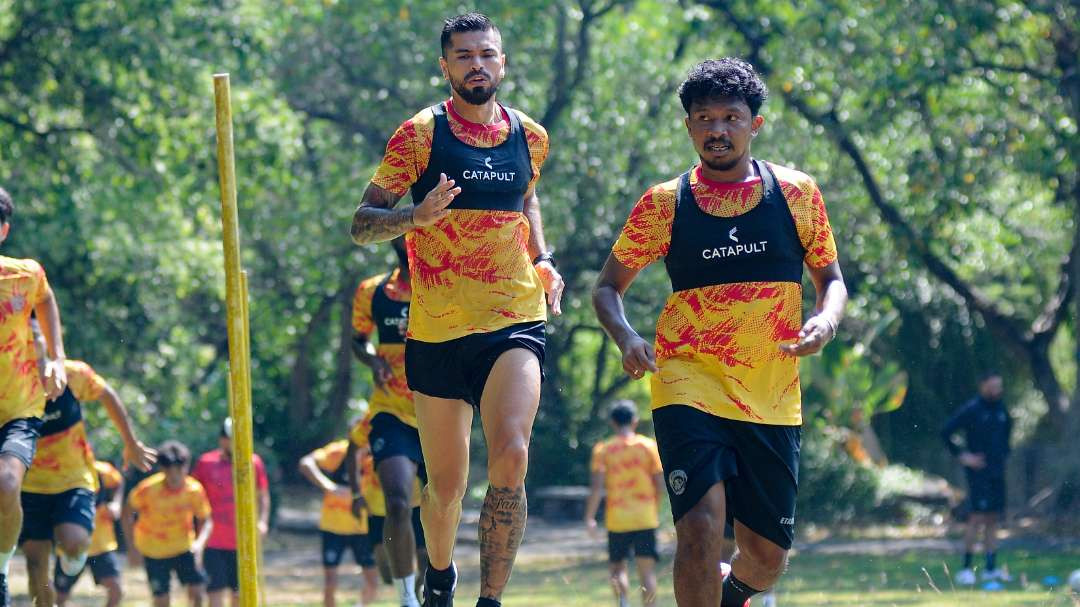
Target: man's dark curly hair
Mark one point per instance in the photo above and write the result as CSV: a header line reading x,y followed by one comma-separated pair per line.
x,y
469,22
724,78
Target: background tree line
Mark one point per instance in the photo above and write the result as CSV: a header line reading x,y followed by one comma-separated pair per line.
x,y
943,135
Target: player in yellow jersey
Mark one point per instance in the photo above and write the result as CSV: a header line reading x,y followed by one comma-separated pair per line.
x,y
109,501
24,387
381,307
735,234
161,516
626,470
58,492
480,269
341,530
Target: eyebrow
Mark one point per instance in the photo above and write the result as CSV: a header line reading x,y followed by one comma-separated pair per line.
x,y
458,51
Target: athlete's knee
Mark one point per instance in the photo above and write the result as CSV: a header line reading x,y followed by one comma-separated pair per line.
x,y
508,463
445,492
698,532
770,561
398,508
73,544
11,476
114,592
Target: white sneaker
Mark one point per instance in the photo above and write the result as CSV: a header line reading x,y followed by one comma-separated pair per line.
x,y
966,577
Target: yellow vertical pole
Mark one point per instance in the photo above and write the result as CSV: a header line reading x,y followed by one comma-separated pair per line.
x,y
239,374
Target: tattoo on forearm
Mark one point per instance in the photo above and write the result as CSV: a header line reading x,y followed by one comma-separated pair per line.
x,y
376,220
502,525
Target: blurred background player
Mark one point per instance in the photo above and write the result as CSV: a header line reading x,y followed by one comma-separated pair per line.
x,y
381,305
626,469
986,426
368,496
214,472
161,517
23,387
58,492
105,568
340,529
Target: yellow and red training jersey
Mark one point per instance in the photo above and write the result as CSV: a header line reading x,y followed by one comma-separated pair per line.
x,y
165,527
64,458
629,465
471,271
22,287
336,516
395,398
104,538
717,347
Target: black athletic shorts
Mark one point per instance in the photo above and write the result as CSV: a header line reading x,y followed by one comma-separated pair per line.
x,y
758,464
159,572
459,368
334,547
986,492
390,437
18,438
102,566
623,545
220,566
376,523
42,512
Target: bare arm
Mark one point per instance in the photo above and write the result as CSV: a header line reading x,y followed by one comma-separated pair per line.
x,y
205,526
592,504
820,328
135,453
48,314
615,278
365,353
116,505
352,470
134,557
658,481
553,281
311,471
264,511
376,219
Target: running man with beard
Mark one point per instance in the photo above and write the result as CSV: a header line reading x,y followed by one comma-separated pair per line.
x,y
735,234
480,269
381,306
58,492
24,386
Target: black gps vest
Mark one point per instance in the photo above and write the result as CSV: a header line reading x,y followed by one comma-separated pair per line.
x,y
491,179
761,245
391,317
61,414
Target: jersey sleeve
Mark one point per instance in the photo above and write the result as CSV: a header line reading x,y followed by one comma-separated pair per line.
x,y
85,384
110,476
598,464
362,320
539,145
39,284
811,220
646,236
329,457
137,498
262,483
200,503
654,458
359,433
407,154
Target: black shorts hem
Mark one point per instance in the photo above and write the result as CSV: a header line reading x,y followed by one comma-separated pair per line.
x,y
391,437
334,546
624,545
221,573
18,439
42,512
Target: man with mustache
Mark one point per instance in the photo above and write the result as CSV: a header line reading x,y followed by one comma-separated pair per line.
x,y
735,233
480,269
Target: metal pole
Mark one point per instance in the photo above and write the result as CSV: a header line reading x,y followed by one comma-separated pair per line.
x,y
239,374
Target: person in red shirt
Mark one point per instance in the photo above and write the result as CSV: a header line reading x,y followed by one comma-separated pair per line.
x,y
214,471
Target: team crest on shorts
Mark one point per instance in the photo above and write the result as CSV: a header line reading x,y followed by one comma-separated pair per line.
x,y
378,445
677,481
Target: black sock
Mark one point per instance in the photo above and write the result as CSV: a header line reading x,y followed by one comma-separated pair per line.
x,y
486,602
991,561
735,592
968,557
441,579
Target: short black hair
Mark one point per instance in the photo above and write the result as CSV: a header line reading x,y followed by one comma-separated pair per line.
x,y
725,78
173,453
623,413
469,22
7,206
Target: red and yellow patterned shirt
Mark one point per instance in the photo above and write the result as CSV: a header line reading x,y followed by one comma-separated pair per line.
x,y
396,398
165,527
717,347
336,516
471,272
65,460
629,465
22,287
104,538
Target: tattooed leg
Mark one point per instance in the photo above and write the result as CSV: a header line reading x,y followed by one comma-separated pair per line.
x,y
502,525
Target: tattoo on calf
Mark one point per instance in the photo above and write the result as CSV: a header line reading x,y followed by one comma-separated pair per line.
x,y
502,525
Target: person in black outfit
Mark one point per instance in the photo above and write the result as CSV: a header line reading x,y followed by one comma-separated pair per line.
x,y
985,425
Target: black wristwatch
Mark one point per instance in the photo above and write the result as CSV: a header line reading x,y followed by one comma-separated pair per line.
x,y
548,257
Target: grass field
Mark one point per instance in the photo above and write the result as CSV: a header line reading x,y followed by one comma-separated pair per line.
x,y
814,580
